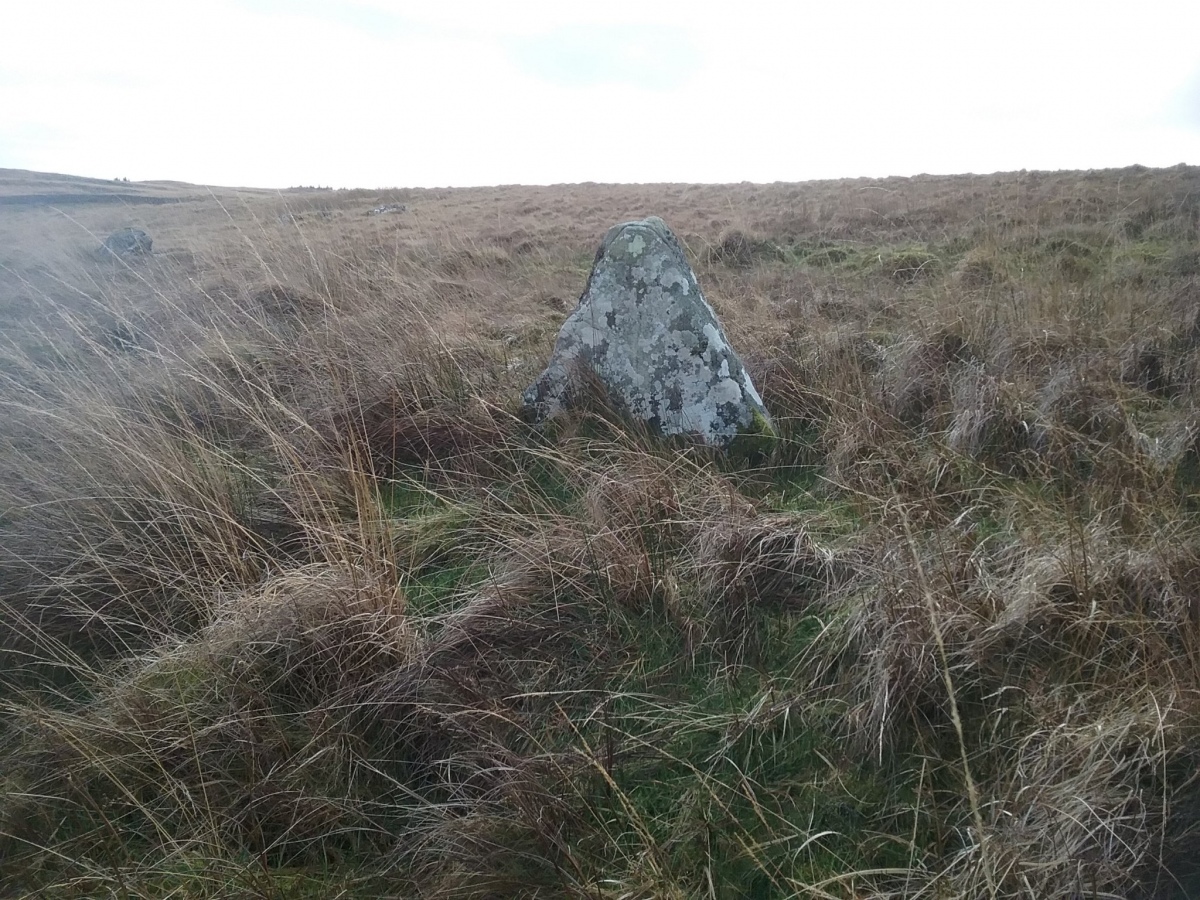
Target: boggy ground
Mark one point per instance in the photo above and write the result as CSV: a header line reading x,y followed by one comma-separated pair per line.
x,y
294,605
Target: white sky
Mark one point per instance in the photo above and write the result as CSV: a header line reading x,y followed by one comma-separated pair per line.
x,y
274,93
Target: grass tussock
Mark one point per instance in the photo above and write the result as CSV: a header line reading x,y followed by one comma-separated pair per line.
x,y
294,603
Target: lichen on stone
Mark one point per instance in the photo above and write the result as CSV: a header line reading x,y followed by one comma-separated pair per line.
x,y
644,330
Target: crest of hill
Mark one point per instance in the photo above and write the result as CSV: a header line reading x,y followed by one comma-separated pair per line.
x,y
21,187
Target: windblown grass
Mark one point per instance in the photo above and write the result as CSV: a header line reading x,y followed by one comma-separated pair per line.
x,y
295,605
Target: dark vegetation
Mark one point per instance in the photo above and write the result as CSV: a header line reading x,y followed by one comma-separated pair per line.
x,y
294,605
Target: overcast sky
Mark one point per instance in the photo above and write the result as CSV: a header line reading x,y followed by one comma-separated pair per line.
x,y
373,93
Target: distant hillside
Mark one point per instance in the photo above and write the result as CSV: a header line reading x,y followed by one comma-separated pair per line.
x,y
22,187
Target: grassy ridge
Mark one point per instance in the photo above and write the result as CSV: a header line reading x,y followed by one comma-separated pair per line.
x,y
295,605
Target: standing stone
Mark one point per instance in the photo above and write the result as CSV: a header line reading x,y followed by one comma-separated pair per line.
x,y
645,332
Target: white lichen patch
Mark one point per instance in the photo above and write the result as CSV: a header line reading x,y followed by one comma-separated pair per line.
x,y
644,329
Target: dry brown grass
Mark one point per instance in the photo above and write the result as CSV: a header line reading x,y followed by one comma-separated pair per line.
x,y
295,605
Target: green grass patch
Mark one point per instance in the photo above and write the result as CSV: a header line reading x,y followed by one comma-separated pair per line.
x,y
731,775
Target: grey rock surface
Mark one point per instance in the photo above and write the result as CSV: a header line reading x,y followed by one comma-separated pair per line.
x,y
128,242
644,330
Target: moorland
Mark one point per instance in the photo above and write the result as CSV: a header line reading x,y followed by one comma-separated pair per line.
x,y
294,604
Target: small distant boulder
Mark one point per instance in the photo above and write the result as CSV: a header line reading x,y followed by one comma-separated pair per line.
x,y
645,333
127,242
387,208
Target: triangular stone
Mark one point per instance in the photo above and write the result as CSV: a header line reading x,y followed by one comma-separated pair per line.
x,y
644,330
